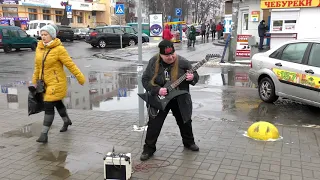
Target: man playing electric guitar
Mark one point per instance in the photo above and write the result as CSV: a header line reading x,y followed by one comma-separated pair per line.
x,y
168,66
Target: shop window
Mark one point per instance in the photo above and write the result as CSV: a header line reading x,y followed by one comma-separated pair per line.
x,y
10,11
294,52
32,14
80,17
314,56
22,34
289,25
277,25
59,15
245,21
46,14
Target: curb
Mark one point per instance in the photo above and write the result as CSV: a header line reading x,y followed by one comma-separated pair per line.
x,y
218,44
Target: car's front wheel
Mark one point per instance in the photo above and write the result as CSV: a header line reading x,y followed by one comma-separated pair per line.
x,y
267,91
7,48
132,42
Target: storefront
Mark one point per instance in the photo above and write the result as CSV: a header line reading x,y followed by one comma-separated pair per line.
x,y
292,19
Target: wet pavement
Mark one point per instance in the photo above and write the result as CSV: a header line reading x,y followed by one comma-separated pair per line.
x,y
105,110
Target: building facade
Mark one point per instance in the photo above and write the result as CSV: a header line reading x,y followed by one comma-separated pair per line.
x,y
84,12
287,20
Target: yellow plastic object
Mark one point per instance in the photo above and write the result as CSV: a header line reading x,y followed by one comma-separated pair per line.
x,y
263,131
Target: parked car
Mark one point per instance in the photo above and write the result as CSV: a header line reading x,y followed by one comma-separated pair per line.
x,y
109,35
33,27
132,30
80,33
290,70
12,37
65,33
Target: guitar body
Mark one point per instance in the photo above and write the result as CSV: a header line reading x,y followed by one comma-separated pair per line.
x,y
161,102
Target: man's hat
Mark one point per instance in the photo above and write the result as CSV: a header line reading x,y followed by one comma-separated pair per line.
x,y
166,47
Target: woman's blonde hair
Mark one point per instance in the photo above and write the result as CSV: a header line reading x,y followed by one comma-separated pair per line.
x,y
174,70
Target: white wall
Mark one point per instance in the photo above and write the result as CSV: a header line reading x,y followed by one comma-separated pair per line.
x,y
308,25
249,6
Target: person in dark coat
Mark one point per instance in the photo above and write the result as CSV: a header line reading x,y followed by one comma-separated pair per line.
x,y
192,36
262,29
168,66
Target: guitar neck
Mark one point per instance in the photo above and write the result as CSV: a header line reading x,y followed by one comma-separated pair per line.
x,y
183,77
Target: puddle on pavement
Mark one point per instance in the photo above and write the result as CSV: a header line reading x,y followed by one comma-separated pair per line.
x,y
117,90
27,131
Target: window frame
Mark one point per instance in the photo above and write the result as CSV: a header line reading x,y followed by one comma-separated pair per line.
x,y
282,48
308,54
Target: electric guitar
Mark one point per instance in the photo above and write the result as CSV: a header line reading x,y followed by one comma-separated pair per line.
x,y
161,102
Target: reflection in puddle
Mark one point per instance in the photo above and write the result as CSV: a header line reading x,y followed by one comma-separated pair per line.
x,y
27,131
117,90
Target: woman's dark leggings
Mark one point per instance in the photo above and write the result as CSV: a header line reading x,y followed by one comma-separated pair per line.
x,y
49,112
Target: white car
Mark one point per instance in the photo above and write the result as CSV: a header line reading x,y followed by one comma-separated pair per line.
x,y
291,70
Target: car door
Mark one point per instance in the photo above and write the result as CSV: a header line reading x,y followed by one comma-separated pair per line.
x,y
118,32
15,38
310,79
288,68
25,41
109,35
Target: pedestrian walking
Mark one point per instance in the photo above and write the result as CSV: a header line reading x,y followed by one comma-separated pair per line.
x,y
219,30
167,33
203,31
213,30
208,31
191,36
168,66
50,57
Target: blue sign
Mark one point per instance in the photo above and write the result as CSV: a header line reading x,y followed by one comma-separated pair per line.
x,y
178,11
68,8
122,92
4,90
119,9
169,17
156,30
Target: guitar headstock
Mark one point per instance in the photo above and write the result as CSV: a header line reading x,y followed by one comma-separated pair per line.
x,y
209,56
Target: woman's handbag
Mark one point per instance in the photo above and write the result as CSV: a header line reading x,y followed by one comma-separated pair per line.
x,y
40,82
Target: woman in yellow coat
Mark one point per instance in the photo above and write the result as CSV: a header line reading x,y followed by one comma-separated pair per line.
x,y
54,77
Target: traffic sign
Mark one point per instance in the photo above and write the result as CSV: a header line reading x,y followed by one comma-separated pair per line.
x,y
169,17
178,11
119,9
122,92
68,8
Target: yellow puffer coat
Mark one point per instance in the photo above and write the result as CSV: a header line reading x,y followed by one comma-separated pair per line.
x,y
54,76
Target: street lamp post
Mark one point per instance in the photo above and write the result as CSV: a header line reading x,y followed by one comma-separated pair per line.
x,y
140,66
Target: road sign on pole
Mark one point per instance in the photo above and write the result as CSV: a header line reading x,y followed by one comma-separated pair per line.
x,y
178,11
119,9
69,11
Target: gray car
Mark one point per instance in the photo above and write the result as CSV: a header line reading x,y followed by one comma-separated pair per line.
x,y
290,70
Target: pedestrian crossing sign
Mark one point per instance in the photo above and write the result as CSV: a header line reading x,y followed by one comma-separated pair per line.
x,y
119,9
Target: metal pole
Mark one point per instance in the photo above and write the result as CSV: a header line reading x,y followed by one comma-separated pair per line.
x,y
120,32
140,67
234,29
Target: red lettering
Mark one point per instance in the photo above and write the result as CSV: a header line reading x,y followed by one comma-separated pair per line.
x,y
308,2
290,3
284,3
295,3
267,4
272,4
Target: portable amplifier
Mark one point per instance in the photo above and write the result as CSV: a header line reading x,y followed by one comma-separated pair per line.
x,y
117,166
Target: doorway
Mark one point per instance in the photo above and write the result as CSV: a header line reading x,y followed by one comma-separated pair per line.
x,y
244,21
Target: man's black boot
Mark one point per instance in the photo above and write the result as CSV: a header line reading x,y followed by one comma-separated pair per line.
x,y
145,156
43,138
192,147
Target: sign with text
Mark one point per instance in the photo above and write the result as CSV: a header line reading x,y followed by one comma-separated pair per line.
x,y
255,15
276,4
156,25
9,2
243,48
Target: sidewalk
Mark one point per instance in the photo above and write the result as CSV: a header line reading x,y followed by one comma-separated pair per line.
x,y
225,154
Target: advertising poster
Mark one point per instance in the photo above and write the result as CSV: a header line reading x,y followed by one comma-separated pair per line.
x,y
227,23
255,16
243,48
9,2
156,25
